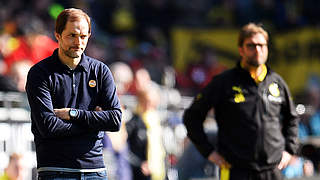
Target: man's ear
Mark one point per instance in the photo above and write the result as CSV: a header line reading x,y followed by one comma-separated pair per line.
x,y
240,49
57,35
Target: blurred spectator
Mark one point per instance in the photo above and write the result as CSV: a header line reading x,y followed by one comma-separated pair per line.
x,y
192,13
200,72
19,71
159,14
6,82
144,134
315,124
118,14
120,47
25,40
98,48
309,107
116,142
15,169
221,13
309,126
123,76
142,82
29,47
153,59
138,33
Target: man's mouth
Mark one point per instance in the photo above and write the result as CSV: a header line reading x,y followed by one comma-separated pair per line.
x,y
75,48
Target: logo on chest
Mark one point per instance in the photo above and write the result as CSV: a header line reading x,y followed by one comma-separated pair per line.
x,y
238,96
274,91
92,83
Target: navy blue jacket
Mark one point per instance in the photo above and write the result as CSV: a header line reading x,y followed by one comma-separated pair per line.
x,y
78,143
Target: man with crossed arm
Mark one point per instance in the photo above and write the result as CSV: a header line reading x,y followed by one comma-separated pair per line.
x,y
73,101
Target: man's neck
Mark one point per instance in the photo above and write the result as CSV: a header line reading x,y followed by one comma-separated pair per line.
x,y
257,73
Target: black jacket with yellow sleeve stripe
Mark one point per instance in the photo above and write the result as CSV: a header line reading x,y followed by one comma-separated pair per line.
x,y
256,121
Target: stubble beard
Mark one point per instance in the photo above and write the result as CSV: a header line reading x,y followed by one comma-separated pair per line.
x,y
252,62
71,54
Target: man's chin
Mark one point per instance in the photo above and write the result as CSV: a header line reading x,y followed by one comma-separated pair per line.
x,y
75,55
255,63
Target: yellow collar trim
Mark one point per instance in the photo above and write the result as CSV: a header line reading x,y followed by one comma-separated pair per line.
x,y
261,77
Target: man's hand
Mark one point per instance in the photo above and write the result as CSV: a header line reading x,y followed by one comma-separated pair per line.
x,y
145,168
217,159
62,113
98,108
286,157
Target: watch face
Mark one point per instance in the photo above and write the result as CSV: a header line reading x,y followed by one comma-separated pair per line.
x,y
73,113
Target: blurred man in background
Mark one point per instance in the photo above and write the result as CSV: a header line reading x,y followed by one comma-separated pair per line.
x,y
256,117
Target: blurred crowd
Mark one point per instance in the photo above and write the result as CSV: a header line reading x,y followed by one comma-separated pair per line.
x,y
133,38
138,32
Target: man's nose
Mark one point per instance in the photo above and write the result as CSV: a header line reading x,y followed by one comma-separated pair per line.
x,y
77,41
258,48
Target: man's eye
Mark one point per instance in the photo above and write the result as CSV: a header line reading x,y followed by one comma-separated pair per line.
x,y
253,45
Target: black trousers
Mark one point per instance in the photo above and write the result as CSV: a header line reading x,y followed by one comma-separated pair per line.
x,y
245,174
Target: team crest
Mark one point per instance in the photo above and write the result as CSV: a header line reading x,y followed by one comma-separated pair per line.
x,y
274,90
92,83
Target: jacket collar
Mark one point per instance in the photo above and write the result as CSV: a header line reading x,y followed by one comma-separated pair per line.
x,y
84,62
238,66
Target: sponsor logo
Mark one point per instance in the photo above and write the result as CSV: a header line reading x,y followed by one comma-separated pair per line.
x,y
238,97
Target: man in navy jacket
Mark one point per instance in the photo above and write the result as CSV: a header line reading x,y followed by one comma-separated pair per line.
x,y
73,101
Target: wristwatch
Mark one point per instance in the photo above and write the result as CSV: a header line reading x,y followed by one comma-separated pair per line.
x,y
73,113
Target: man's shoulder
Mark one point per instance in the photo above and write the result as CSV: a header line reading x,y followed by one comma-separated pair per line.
x,y
223,79
275,76
93,62
43,65
227,74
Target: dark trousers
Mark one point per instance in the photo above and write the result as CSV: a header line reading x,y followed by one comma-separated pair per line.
x,y
244,174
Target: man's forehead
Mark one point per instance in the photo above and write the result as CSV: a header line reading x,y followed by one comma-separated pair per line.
x,y
77,25
82,21
257,38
